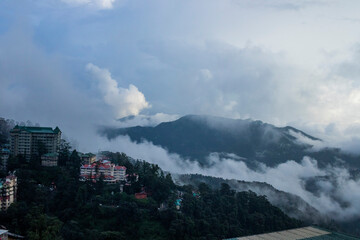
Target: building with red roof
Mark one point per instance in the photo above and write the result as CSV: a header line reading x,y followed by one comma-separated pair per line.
x,y
111,172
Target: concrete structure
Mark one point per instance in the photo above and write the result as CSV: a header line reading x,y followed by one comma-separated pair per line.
x,y
4,157
110,171
298,233
30,140
87,158
4,234
8,190
49,159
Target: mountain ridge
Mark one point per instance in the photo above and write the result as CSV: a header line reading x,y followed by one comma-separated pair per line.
x,y
197,136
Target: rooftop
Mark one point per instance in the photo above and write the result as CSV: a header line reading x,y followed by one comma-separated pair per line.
x,y
53,154
37,129
104,164
309,233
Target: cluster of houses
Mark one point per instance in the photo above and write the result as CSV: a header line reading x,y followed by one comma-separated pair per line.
x,y
27,141
110,172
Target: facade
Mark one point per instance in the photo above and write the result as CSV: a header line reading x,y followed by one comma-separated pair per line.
x,y
4,234
4,157
31,140
111,172
49,159
88,158
8,190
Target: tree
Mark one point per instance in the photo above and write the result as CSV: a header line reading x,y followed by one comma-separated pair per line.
x,y
43,227
64,152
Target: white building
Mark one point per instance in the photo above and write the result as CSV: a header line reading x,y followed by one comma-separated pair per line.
x,y
110,171
29,140
8,190
49,159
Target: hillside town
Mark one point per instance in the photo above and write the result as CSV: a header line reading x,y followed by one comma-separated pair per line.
x,y
106,182
28,142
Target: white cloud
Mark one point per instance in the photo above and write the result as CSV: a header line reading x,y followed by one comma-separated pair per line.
x,y
125,101
146,120
337,197
302,139
100,4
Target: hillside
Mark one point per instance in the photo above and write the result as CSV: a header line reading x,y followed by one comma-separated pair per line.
x,y
53,204
195,137
291,204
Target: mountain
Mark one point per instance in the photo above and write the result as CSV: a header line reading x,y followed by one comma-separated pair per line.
x,y
195,137
293,205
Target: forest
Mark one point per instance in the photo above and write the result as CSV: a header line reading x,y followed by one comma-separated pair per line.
x,y
53,204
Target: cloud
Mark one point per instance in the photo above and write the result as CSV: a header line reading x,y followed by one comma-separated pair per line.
x,y
185,60
125,101
235,65
316,145
336,195
145,120
100,4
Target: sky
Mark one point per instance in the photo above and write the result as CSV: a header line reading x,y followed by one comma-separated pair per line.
x,y
80,64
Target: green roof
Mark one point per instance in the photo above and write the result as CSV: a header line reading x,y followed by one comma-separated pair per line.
x,y
305,233
51,154
37,129
88,155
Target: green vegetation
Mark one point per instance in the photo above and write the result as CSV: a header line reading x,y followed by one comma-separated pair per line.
x,y
196,137
54,204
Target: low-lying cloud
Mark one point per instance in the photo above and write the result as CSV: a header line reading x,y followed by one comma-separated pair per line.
x,y
337,193
145,120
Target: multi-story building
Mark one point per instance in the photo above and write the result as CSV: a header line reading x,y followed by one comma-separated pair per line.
x,y
8,190
32,140
4,234
4,157
87,158
49,159
111,172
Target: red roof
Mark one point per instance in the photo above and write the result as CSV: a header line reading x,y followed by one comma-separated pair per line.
x,y
141,195
120,168
103,166
11,177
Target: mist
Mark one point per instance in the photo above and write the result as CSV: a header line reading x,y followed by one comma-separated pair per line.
x,y
337,193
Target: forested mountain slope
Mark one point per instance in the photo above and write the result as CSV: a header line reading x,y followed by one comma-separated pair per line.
x,y
195,137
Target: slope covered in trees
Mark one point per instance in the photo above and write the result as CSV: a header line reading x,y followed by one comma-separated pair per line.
x,y
195,137
54,204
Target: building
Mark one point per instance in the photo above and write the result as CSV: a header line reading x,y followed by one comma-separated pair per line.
x,y
313,233
8,190
111,172
4,234
4,157
141,195
32,140
49,159
87,158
